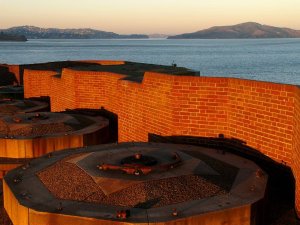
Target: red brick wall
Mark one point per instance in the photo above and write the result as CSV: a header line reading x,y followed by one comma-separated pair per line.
x,y
82,89
199,106
296,149
264,115
145,108
95,88
37,83
63,96
259,113
138,112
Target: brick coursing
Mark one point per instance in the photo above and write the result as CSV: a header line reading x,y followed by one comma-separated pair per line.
x,y
264,115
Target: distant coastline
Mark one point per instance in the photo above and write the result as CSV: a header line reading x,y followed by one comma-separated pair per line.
x,y
32,32
12,37
248,30
241,31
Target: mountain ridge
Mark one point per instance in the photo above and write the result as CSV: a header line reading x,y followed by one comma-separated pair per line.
x,y
240,31
33,32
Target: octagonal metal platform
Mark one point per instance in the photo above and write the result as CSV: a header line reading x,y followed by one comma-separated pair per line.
x,y
34,202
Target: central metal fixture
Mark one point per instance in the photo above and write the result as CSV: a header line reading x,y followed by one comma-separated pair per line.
x,y
139,164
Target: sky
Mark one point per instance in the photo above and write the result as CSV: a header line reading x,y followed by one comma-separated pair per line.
x,y
148,16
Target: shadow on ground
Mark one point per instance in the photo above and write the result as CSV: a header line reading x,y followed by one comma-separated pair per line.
x,y
7,77
279,206
112,118
281,187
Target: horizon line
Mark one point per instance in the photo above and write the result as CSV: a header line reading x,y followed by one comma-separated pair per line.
x,y
145,33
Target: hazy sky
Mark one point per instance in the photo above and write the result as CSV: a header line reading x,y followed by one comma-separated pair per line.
x,y
148,16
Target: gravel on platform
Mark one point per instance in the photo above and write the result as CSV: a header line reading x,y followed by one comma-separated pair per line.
x,y
163,192
67,181
35,130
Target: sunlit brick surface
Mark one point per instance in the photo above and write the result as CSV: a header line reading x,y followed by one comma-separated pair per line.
x,y
264,115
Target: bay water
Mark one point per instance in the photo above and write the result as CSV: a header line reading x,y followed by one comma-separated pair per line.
x,y
274,60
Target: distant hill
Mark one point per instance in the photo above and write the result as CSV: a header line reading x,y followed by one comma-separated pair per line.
x,y
243,30
11,37
32,32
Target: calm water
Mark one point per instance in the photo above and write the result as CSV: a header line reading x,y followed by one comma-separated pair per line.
x,y
276,60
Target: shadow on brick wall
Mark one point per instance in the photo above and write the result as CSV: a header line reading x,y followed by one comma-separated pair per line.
x,y
7,77
281,183
45,99
112,117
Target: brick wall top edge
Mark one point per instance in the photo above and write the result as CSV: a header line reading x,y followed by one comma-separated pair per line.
x,y
104,62
156,75
234,81
169,77
74,72
8,65
29,71
231,81
202,79
265,84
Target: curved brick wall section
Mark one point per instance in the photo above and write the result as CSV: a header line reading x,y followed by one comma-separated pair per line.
x,y
37,82
296,148
258,113
18,70
199,106
146,108
89,89
58,96
264,115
